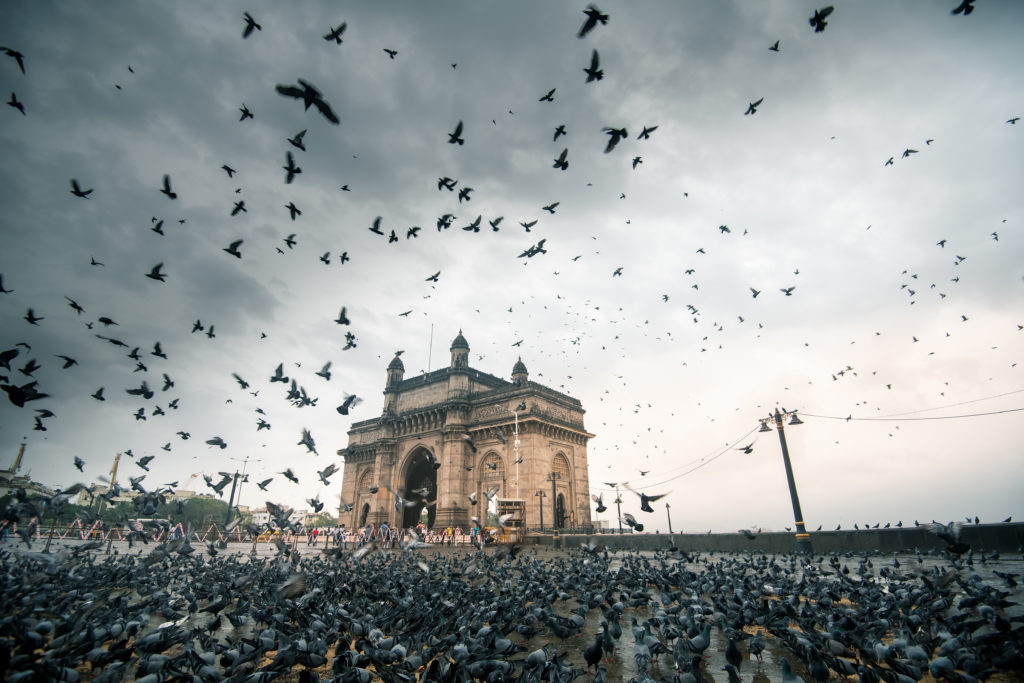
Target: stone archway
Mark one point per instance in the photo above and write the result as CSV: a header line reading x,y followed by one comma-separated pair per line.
x,y
420,485
564,487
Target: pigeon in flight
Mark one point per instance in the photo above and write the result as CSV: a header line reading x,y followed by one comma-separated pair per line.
x,y
246,114
752,108
351,401
17,56
645,134
291,169
965,8
233,249
335,33
562,162
614,136
78,191
155,273
250,25
818,20
548,97
297,140
167,188
16,103
594,17
594,73
310,96
455,137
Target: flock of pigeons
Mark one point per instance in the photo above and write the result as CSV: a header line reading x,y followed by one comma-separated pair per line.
x,y
500,614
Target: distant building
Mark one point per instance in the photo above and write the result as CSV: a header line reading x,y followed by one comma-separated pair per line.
x,y
260,516
448,434
11,480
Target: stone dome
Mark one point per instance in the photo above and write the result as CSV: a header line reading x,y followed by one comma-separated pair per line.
x,y
459,342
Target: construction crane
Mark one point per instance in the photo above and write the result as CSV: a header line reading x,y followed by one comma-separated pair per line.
x,y
17,461
113,471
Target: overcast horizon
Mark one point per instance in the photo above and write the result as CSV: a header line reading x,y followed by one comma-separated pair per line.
x,y
755,250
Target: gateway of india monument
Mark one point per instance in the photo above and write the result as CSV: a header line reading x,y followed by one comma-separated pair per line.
x,y
449,435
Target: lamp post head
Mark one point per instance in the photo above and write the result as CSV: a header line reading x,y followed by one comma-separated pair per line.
x,y
795,420
764,426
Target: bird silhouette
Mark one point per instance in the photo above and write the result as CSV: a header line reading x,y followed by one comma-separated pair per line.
x,y
562,162
965,8
166,189
245,113
752,107
594,17
16,56
335,33
78,191
594,73
548,97
297,140
310,96
818,20
455,137
250,25
291,170
645,134
614,136
775,46
16,103
233,249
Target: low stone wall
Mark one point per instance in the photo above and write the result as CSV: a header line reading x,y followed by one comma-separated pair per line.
x,y
1006,538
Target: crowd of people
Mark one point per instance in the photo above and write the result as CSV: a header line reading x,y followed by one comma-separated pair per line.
x,y
387,536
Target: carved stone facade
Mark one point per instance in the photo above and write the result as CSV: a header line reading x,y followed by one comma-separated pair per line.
x,y
449,434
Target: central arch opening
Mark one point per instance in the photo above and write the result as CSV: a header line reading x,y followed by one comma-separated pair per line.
x,y
420,486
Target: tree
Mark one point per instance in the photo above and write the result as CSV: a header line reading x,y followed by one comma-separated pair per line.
x,y
323,519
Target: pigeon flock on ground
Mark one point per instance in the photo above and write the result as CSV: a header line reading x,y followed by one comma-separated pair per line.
x,y
208,265
181,613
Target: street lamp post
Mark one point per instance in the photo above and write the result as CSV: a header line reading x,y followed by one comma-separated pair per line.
x,y
540,494
515,444
618,506
234,484
555,522
803,539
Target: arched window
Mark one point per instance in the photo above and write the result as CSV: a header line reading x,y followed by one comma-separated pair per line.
x,y
491,473
560,466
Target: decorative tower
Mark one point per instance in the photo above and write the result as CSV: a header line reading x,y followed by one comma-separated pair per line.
x,y
460,351
396,371
519,373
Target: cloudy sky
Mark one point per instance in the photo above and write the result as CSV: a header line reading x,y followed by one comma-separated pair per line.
x,y
900,342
